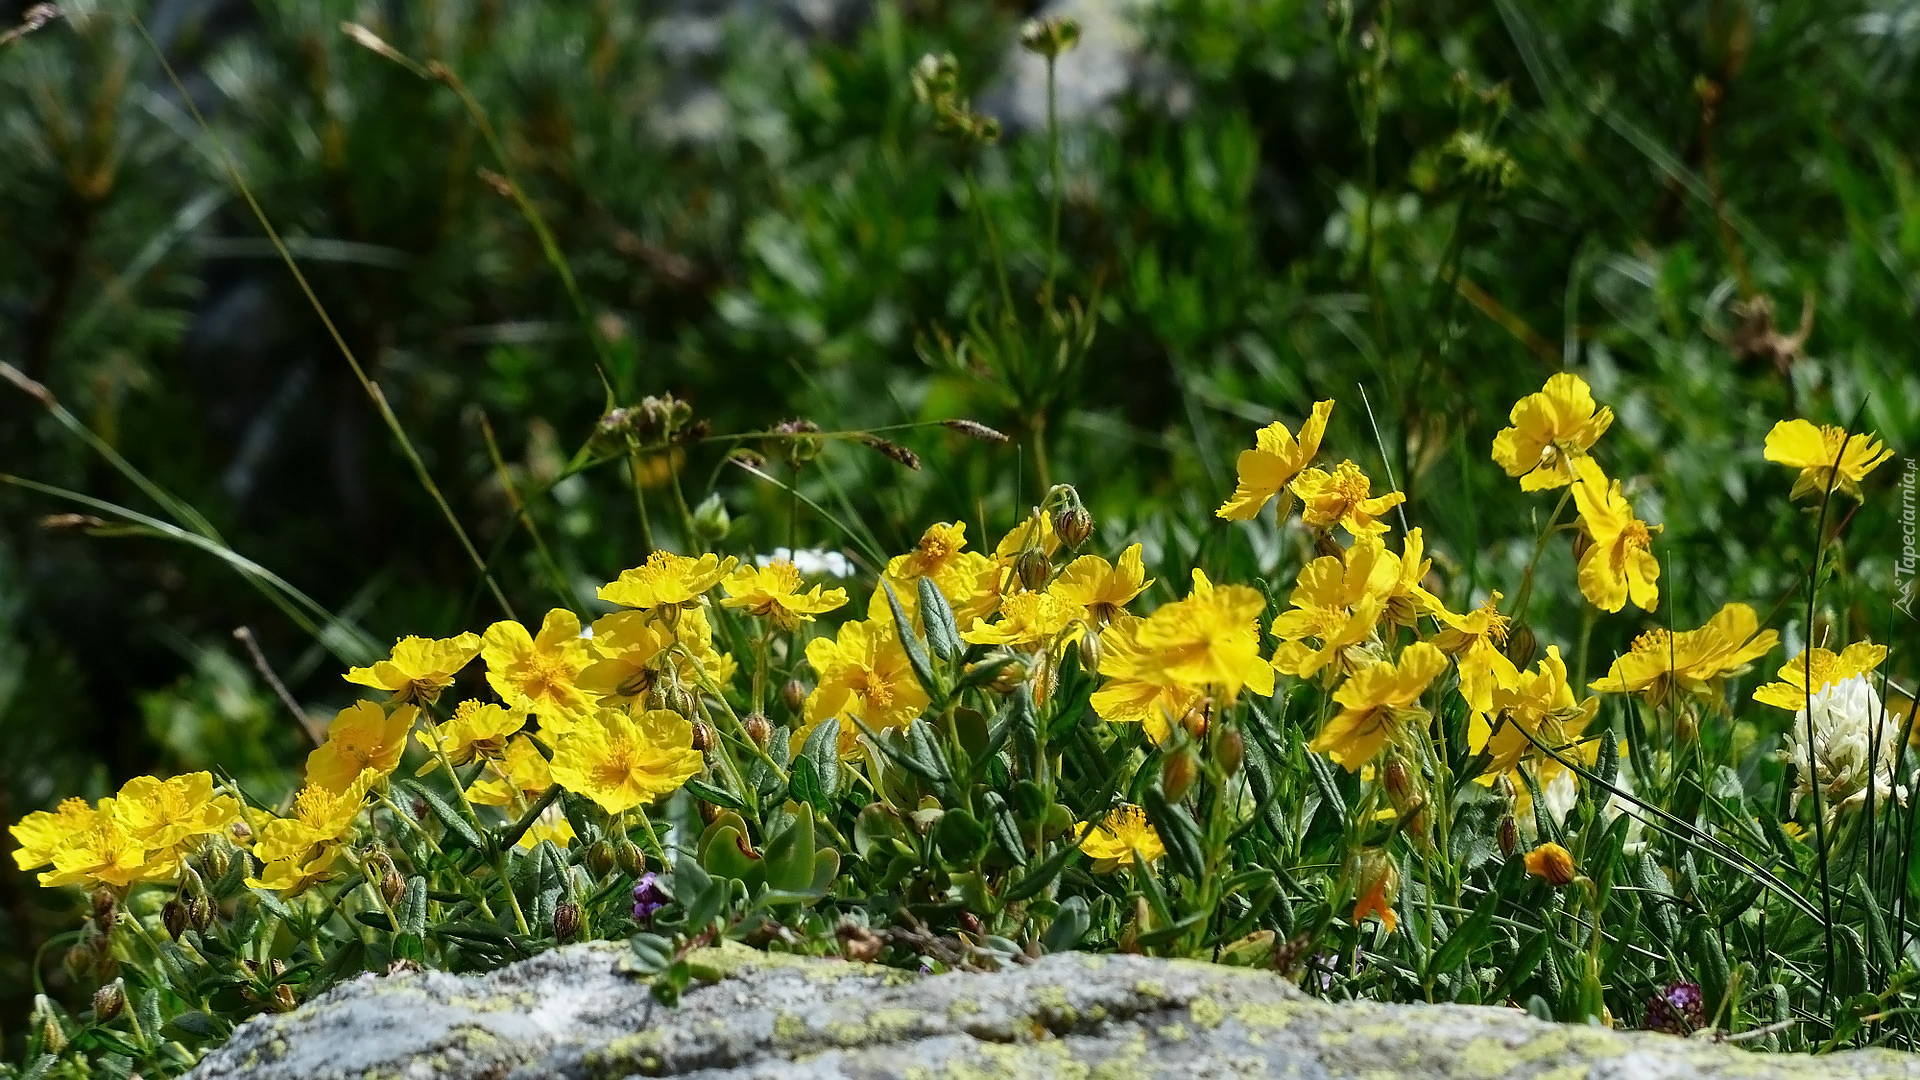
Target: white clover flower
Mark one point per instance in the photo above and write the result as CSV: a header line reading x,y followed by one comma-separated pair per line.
x,y
1855,743
811,562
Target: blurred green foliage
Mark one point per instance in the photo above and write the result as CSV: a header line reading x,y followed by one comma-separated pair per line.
x,y
1437,205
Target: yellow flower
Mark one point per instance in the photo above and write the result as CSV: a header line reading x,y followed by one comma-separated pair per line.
x,y
1796,685
1551,429
1540,702
1334,604
1619,566
520,771
1476,640
41,834
296,851
774,592
1379,884
1398,578
1818,451
667,580
165,814
1123,833
1103,589
1344,498
1210,640
419,668
475,730
621,761
1377,704
631,649
539,674
1692,661
362,736
863,676
1552,863
1027,621
552,825
1276,458
1127,698
970,581
107,852
1035,531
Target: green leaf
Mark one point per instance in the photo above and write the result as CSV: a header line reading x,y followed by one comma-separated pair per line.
x,y
1178,831
1070,924
1006,831
1656,898
803,783
720,797
1523,965
698,892
1877,937
1468,936
1330,796
1710,962
651,953
943,635
725,854
457,825
410,942
1607,768
1038,878
822,748
789,857
960,838
916,653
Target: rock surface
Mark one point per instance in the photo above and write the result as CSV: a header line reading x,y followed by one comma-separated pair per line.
x,y
575,1013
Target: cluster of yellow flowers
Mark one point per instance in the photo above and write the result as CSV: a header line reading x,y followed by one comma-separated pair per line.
x,y
140,834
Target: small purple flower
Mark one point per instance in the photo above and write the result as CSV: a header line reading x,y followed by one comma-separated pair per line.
x,y
1680,1009
648,897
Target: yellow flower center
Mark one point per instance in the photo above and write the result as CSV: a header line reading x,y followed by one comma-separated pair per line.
x,y
548,675
1351,486
1653,641
1636,537
617,767
313,804
877,693
935,550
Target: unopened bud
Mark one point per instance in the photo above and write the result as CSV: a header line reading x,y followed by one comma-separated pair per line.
x,y
1195,720
1049,36
1033,567
108,1001
711,522
1231,751
53,1033
566,920
1008,678
1399,782
1509,836
217,861
1552,863
200,913
794,696
173,918
78,960
1073,525
600,858
1178,773
392,886
1090,651
628,856
759,729
105,907
704,736
1521,645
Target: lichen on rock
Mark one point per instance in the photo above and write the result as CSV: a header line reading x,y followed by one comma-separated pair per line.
x,y
578,1013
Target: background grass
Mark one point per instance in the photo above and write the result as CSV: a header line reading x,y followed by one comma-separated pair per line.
x,y
1438,205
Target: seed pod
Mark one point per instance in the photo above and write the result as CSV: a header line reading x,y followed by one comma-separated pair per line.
x,y
79,959
108,1001
566,920
1509,836
1032,567
1178,772
600,858
1230,750
392,886
704,737
1399,783
104,907
794,696
759,729
200,913
628,856
173,918
1073,525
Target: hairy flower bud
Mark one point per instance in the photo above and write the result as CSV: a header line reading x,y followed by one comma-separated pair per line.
x,y
1032,567
392,886
105,907
704,737
200,913
1178,773
1090,650
1073,525
711,522
794,696
1230,750
1521,645
600,858
759,729
108,1001
1049,36
53,1034
566,920
1509,835
628,856
173,918
1399,782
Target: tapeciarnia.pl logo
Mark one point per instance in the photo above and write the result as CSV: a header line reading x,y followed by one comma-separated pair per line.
x,y
1905,581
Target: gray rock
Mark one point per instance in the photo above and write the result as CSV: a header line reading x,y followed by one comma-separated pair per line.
x,y
576,1013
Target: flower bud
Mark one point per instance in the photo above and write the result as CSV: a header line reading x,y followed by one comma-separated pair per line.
x,y
108,1001
566,920
1195,720
53,1034
105,908
1399,783
759,729
173,918
1033,567
1178,772
200,913
711,522
794,696
648,897
1552,863
1049,37
79,959
1230,750
1509,835
628,856
600,858
1090,651
1008,678
704,736
392,886
217,860
1073,525
1521,645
